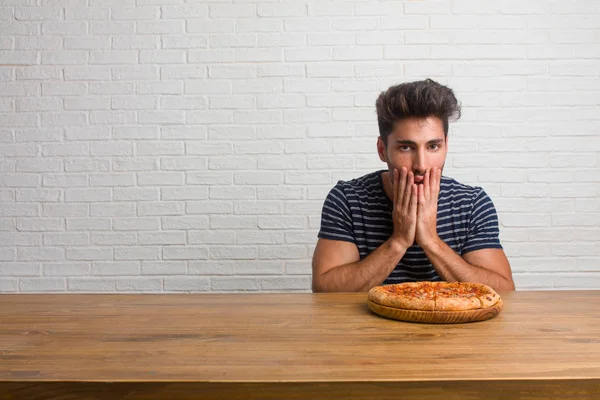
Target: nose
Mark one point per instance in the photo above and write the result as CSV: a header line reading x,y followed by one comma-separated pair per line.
x,y
419,163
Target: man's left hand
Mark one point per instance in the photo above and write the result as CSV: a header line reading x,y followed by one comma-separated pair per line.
x,y
427,207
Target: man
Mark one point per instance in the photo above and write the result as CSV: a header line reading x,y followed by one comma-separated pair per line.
x,y
409,223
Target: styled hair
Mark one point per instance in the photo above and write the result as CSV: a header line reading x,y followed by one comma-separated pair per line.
x,y
419,99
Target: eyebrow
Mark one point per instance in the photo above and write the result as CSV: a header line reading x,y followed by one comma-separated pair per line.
x,y
411,143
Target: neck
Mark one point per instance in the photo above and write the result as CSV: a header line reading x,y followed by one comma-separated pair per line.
x,y
387,185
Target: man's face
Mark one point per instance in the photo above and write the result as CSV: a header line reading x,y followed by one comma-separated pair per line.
x,y
417,144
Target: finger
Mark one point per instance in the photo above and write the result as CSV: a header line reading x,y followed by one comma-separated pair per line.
x,y
395,185
438,182
401,185
409,186
427,184
422,200
414,200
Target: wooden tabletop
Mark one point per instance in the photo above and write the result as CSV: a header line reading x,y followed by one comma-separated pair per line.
x,y
221,342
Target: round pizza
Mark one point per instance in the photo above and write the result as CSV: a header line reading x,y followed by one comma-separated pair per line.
x,y
435,296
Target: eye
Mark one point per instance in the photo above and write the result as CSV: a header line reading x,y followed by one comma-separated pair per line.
x,y
434,146
404,148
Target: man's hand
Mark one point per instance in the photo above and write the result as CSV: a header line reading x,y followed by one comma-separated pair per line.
x,y
427,207
404,214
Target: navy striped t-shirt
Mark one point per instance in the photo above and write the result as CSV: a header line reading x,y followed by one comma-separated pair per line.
x,y
359,211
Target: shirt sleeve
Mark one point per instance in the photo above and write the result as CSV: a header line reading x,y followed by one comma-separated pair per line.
x,y
336,218
483,232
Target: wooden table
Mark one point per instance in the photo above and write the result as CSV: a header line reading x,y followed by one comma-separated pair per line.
x,y
544,344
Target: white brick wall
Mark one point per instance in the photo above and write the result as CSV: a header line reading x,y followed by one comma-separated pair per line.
x,y
185,146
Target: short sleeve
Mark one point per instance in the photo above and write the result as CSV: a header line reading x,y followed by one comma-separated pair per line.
x,y
483,231
336,218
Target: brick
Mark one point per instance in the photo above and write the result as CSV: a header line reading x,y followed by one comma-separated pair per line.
x,y
232,10
234,284
209,207
207,236
161,117
184,193
185,253
115,57
282,252
298,268
185,132
311,178
89,253
183,163
65,210
135,13
42,285
66,239
209,178
232,192
87,43
112,179
135,253
164,208
284,283
135,72
161,238
136,224
296,116
131,132
270,40
90,133
260,237
108,239
236,252
19,180
211,267
232,222
144,284
66,269
309,54
187,284
37,43
40,224
135,194
183,102
85,224
164,268
135,164
184,223
19,269
232,163
279,70
91,285
282,193
281,222
115,209
252,178
160,178
77,12
40,253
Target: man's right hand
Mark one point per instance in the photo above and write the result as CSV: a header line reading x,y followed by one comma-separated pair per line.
x,y
404,214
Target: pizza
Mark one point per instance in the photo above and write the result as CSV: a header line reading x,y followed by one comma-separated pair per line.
x,y
435,296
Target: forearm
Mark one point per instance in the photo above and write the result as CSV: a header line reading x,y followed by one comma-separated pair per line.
x,y
452,267
363,275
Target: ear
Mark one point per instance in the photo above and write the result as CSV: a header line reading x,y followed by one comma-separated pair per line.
x,y
381,150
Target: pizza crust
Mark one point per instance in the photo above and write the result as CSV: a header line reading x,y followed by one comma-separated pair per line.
x,y
435,296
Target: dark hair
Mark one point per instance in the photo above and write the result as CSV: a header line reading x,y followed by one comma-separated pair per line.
x,y
419,99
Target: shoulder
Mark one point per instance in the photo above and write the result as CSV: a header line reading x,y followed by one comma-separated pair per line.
x,y
359,186
452,190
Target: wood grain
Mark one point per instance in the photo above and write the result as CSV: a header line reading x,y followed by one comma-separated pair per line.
x,y
261,345
436,317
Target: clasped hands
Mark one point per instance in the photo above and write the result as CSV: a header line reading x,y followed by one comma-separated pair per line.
x,y
415,207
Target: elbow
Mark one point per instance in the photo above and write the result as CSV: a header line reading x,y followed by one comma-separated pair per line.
x,y
317,287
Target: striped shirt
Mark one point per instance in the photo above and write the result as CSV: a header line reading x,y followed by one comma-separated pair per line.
x,y
359,211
